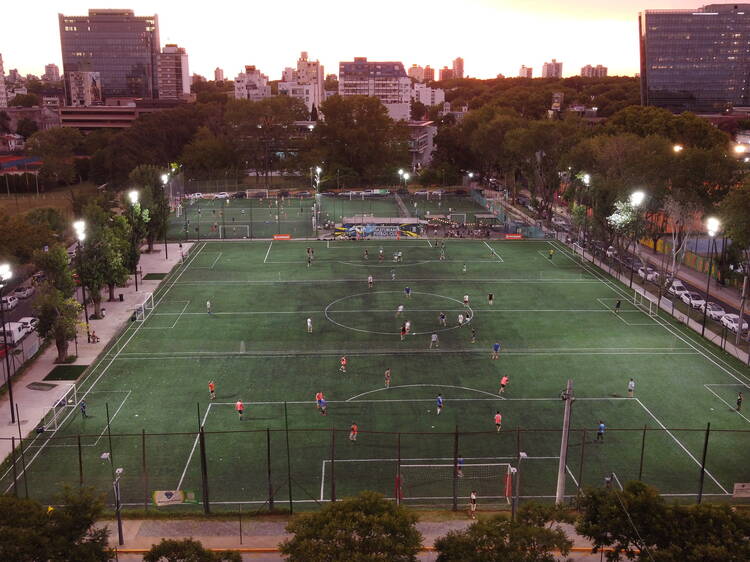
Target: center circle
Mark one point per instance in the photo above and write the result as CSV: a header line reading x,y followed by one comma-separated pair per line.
x,y
383,311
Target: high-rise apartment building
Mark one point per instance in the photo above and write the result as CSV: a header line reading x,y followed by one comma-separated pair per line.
x,y
429,74
3,91
218,75
417,72
446,73
696,60
84,89
387,81
597,71
525,72
307,82
458,67
51,73
552,69
251,85
122,47
174,76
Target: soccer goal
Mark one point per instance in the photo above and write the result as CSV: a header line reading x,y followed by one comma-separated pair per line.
x,y
645,301
429,483
66,399
234,231
144,309
459,218
258,193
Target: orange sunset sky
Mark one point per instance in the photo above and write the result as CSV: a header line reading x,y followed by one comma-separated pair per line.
x,y
493,36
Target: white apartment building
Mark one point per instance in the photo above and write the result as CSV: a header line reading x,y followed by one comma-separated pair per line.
x,y
3,90
426,95
597,71
552,69
251,85
307,82
525,72
386,81
173,72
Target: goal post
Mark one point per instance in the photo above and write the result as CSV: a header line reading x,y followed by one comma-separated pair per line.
x,y
417,483
144,309
459,218
66,399
234,231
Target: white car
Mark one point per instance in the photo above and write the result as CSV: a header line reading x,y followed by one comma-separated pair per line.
x,y
695,300
194,196
222,195
9,303
611,252
731,321
713,310
676,288
29,323
559,221
648,273
23,292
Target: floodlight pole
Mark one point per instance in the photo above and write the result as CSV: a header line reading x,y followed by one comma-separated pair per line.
x,y
711,246
83,290
567,396
7,356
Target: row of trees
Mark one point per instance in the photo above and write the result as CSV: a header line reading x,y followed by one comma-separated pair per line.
x,y
634,522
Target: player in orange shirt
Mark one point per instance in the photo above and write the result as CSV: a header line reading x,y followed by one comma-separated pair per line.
x,y
343,364
353,430
318,397
498,421
240,408
503,383
212,389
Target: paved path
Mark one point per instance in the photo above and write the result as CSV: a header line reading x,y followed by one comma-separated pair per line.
x,y
33,404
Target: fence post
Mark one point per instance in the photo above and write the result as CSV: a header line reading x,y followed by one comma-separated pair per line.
x,y
288,459
268,466
580,468
204,471
109,439
643,451
703,462
80,462
23,454
399,483
333,458
13,461
455,470
145,469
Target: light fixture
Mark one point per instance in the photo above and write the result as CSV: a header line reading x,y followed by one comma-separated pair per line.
x,y
80,228
712,226
636,198
5,272
740,148
678,148
164,178
133,196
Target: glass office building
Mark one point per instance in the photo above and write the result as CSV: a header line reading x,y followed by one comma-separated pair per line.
x,y
121,47
696,60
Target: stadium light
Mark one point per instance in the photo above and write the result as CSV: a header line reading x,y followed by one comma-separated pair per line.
x,y
164,178
636,198
740,148
318,169
133,196
678,148
5,274
401,172
586,179
80,228
406,177
712,228
471,175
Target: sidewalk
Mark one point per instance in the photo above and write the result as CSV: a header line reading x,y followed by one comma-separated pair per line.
x,y
33,404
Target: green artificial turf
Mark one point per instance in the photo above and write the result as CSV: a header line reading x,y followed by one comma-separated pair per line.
x,y
554,318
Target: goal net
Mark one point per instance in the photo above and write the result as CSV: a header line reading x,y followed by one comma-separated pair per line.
x,y
430,482
459,218
257,193
234,231
66,400
645,301
144,309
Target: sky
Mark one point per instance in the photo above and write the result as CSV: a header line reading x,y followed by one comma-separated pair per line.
x,y
492,36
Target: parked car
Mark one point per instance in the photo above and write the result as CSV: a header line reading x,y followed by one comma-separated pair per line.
x,y
713,310
303,194
239,195
23,292
559,221
208,196
29,323
422,192
648,273
197,195
38,278
9,302
611,252
12,332
676,288
222,195
693,299
731,322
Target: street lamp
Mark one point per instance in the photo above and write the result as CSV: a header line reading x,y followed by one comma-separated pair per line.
x,y
636,198
712,227
165,181
133,196
5,274
116,488
678,148
740,149
80,228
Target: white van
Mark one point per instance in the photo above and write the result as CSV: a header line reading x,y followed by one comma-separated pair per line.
x,y
13,332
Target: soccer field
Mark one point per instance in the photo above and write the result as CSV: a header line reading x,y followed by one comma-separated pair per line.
x,y
555,321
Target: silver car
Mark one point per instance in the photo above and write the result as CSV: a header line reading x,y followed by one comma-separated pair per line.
x,y
713,310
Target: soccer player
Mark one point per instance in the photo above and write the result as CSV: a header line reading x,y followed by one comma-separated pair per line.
x,y
318,397
393,274
342,361
380,254
550,253
212,390
439,403
473,504
466,300
399,310
503,383
387,376
82,406
460,466
496,350
208,307
490,299
403,331
309,261
464,268
473,335
239,407
739,401
323,407
600,431
367,254
442,254
460,319
618,304
370,281
434,340
631,388
498,421
309,325
408,326
353,430
407,292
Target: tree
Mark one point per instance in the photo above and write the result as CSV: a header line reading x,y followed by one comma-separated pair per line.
x,y
137,219
55,148
20,238
24,100
54,263
26,127
153,200
187,550
207,153
4,122
30,531
418,110
101,264
58,317
532,538
364,528
49,218
734,210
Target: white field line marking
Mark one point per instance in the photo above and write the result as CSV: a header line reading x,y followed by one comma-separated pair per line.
x,y
430,280
571,475
697,345
707,386
657,420
210,266
494,252
620,315
495,396
216,260
619,484
432,400
195,443
106,368
392,310
546,257
268,252
178,314
429,243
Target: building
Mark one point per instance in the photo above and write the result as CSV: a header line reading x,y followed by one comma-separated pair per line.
x,y
14,76
84,89
3,90
417,72
51,73
597,71
11,142
174,75
105,117
552,69
122,47
421,143
307,82
386,81
696,60
218,75
426,95
458,67
429,74
525,72
446,73
251,85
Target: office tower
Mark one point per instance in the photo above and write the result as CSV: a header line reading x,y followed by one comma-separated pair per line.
x,y
458,68
307,82
218,75
525,72
174,76
552,69
387,81
122,47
